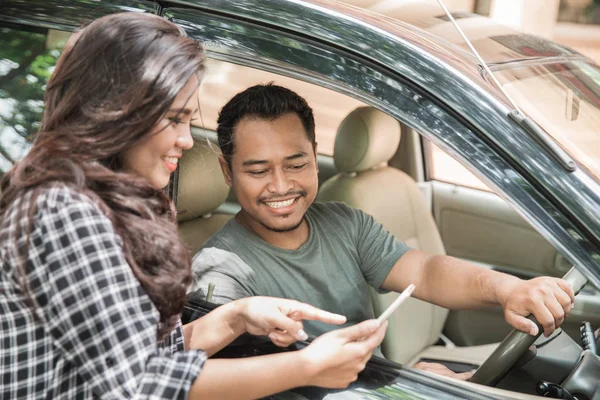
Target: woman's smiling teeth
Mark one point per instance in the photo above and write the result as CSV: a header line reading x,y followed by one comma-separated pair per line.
x,y
172,160
280,204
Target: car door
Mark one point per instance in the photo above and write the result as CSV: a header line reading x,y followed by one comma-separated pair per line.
x,y
479,226
260,45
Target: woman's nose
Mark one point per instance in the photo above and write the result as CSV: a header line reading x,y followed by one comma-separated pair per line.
x,y
185,141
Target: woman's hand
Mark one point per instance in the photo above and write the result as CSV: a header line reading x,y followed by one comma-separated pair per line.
x,y
334,359
280,319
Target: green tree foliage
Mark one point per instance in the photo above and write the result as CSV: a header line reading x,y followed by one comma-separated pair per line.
x,y
26,64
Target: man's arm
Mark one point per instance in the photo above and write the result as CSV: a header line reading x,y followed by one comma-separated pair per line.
x,y
457,284
233,278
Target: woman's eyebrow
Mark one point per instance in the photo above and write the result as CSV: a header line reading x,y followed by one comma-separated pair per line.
x,y
185,111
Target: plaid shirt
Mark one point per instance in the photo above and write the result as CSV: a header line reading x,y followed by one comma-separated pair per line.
x,y
93,334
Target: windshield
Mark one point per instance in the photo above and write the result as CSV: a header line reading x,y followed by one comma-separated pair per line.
x,y
564,99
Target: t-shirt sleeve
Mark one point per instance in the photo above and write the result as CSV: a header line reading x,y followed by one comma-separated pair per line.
x,y
96,311
232,277
378,249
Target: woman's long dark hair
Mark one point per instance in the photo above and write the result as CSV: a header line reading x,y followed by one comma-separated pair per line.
x,y
114,82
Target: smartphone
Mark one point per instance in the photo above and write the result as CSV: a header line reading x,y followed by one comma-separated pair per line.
x,y
401,298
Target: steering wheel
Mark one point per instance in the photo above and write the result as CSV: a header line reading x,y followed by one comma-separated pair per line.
x,y
517,343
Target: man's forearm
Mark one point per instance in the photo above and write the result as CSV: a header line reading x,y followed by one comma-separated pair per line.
x,y
457,284
449,282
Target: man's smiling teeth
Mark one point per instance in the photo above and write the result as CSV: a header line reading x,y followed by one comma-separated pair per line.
x,y
172,160
280,204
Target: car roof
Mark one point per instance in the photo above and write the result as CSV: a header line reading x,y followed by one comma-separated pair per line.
x,y
496,43
413,38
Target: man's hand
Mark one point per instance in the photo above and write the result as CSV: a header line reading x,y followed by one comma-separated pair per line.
x,y
440,369
281,319
549,300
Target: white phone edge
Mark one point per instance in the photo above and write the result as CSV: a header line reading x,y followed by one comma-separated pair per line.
x,y
406,293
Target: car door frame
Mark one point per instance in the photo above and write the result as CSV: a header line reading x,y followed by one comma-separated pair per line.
x,y
239,33
67,16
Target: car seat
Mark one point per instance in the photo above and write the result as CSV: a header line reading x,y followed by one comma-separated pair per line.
x,y
201,190
366,140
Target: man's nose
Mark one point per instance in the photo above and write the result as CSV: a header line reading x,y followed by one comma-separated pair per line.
x,y
279,183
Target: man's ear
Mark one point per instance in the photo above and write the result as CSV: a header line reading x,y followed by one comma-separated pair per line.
x,y
316,153
226,170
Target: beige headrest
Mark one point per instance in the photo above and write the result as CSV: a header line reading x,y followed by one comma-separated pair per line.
x,y
366,138
201,187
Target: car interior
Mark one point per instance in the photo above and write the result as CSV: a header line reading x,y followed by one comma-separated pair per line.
x,y
379,164
420,194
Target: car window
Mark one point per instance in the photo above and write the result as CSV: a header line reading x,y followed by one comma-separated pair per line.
x,y
442,167
27,59
223,80
564,99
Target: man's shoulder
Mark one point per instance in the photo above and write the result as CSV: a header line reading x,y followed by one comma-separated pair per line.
x,y
210,256
224,238
227,244
334,210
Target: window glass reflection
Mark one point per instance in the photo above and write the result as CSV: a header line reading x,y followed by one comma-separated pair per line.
x,y
564,99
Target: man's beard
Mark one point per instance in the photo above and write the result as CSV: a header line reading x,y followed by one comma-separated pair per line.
x,y
285,229
301,193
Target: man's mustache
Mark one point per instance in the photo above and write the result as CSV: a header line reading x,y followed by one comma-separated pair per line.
x,y
278,197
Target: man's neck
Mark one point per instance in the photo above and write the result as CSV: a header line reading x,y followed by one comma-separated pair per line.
x,y
290,240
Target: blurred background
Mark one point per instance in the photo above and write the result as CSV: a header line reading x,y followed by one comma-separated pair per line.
x,y
573,23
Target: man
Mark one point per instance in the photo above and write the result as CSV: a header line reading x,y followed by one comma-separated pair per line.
x,y
284,244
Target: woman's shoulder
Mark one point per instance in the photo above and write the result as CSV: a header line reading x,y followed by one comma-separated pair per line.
x,y
58,194
53,198
54,210
60,201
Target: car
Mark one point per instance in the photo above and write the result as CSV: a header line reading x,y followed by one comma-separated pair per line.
x,y
505,174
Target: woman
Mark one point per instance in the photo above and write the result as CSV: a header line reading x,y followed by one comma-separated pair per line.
x,y
94,276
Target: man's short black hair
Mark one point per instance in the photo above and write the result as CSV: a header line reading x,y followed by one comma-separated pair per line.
x,y
262,102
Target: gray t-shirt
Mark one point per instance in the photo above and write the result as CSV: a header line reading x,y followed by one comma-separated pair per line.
x,y
346,251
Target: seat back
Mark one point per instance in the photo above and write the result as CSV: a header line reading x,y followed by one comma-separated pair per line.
x,y
201,190
365,142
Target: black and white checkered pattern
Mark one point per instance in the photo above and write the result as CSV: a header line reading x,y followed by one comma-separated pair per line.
x,y
94,329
